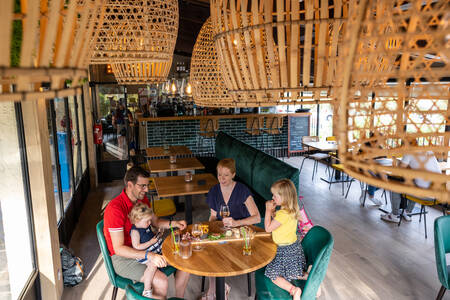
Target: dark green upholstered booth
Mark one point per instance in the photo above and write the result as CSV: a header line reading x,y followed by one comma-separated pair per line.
x,y
442,247
317,245
255,168
116,280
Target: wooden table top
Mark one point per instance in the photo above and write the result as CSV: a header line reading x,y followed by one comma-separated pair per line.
x,y
176,186
182,163
173,150
223,259
322,146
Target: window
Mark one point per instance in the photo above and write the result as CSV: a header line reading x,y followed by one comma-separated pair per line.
x,y
64,152
17,263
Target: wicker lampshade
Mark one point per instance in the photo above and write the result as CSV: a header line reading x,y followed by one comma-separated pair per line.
x,y
44,41
208,86
396,93
138,39
279,52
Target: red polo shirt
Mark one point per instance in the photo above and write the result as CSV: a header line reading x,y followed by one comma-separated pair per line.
x,y
116,219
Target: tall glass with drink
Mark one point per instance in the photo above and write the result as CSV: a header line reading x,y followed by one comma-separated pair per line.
x,y
196,233
224,212
185,249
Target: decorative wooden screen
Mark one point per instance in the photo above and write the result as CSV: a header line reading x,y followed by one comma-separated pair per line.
x,y
138,39
44,41
396,89
280,52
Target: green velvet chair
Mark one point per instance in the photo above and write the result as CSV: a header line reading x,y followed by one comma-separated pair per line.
x,y
116,280
317,246
442,247
132,294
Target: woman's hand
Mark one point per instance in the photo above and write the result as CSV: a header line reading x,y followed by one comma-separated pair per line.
x,y
230,222
180,224
270,205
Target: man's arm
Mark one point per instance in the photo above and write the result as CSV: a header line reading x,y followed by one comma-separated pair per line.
x,y
122,250
161,223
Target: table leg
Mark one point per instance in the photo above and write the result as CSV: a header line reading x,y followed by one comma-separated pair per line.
x,y
176,199
220,288
188,208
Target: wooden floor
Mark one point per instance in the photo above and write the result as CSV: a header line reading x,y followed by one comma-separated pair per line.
x,y
371,259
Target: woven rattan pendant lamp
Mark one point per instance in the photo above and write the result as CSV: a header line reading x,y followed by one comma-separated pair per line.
x,y
395,93
44,41
281,52
208,86
138,39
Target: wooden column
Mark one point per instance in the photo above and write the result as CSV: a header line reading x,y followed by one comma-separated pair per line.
x,y
92,153
43,201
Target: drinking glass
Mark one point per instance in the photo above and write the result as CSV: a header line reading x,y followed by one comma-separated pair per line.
x,y
224,213
247,235
176,241
196,233
185,249
172,159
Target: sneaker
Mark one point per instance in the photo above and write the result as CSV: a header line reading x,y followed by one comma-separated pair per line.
x,y
375,201
148,293
389,218
406,217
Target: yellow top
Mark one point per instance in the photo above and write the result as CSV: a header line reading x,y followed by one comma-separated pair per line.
x,y
286,234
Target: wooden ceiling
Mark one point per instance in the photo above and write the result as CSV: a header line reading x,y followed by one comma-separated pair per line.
x,y
193,13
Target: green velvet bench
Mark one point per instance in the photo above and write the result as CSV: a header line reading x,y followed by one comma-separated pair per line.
x,y
255,168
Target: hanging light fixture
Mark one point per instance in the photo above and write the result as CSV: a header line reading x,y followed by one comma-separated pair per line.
x,y
138,39
270,49
45,42
208,85
395,93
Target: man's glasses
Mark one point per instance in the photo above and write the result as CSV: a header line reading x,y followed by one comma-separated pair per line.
x,y
143,186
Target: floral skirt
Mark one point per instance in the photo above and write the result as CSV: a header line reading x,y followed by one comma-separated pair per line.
x,y
289,262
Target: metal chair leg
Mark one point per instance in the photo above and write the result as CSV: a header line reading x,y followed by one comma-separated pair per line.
x,y
203,284
365,194
114,294
439,296
249,285
331,179
401,216
301,166
348,189
425,221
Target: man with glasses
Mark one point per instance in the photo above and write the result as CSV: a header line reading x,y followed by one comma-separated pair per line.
x,y
117,228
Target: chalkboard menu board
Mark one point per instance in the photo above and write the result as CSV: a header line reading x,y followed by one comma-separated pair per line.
x,y
298,127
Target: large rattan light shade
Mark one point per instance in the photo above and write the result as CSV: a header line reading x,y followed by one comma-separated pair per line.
x,y
138,38
279,51
208,86
44,41
396,93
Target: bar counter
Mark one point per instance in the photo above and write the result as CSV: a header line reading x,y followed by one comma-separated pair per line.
x,y
185,130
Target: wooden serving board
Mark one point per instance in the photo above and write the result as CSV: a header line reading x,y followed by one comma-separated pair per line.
x,y
228,239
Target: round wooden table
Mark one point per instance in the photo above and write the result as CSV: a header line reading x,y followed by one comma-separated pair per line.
x,y
220,260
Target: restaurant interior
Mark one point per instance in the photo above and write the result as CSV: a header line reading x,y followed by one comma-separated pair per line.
x,y
346,99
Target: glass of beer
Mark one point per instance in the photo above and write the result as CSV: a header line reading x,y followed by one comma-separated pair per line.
x,y
247,235
188,176
172,159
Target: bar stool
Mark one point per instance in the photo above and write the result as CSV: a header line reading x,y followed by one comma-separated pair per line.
x,y
254,127
208,132
273,128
